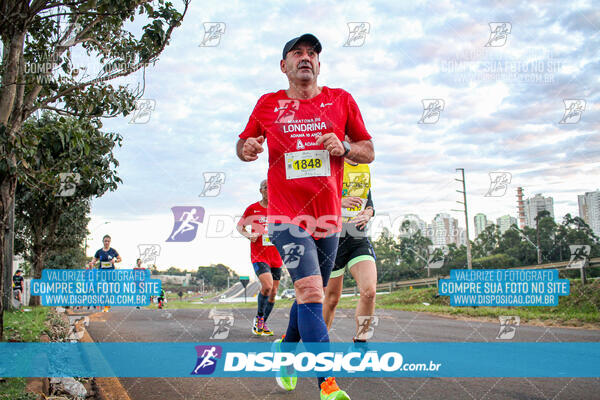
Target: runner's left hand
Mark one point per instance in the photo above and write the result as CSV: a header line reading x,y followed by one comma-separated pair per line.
x,y
362,218
332,144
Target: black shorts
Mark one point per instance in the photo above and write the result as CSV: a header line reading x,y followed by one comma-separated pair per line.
x,y
301,253
351,250
262,268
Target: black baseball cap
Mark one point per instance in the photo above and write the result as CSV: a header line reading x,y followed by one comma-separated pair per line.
x,y
307,37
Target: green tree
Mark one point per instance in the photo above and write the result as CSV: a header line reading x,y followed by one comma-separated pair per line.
x,y
215,276
487,242
414,251
388,257
175,271
495,261
39,41
66,251
62,144
457,257
574,231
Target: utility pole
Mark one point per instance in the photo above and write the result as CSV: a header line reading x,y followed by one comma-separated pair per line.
x,y
464,203
537,229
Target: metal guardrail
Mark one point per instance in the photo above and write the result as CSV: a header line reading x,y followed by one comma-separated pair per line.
x,y
390,286
592,263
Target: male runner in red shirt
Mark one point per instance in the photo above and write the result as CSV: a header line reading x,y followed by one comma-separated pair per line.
x,y
264,257
304,127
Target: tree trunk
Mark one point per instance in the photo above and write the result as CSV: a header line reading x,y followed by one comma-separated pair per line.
x,y
8,184
8,259
8,180
38,266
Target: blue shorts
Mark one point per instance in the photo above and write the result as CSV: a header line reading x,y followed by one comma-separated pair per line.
x,y
302,255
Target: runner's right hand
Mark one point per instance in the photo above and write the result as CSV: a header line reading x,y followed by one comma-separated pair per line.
x,y
351,202
253,237
252,146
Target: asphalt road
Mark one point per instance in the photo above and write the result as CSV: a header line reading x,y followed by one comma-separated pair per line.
x,y
237,291
132,325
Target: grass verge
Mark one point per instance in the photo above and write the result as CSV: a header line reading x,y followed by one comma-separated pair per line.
x,y
581,307
25,326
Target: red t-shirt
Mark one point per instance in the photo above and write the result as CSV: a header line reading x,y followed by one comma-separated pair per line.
x,y
256,216
291,128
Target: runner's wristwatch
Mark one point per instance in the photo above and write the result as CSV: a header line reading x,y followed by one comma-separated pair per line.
x,y
346,147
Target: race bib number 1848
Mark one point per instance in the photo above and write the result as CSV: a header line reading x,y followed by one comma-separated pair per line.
x,y
305,164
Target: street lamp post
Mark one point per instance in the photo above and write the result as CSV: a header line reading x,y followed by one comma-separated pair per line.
x,y
539,251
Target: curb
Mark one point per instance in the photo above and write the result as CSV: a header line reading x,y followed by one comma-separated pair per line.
x,y
107,388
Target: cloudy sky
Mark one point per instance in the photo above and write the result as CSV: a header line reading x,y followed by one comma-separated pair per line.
x,y
503,96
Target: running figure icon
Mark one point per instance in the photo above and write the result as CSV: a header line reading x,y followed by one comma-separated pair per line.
x,y
207,359
187,221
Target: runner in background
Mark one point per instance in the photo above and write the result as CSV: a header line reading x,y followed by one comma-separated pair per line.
x,y
354,250
138,266
17,283
161,298
107,256
264,257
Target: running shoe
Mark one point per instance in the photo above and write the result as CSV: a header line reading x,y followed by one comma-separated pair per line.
x,y
331,391
286,378
261,324
256,328
266,331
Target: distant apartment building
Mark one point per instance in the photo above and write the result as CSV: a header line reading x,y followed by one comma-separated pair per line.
x,y
481,223
444,230
534,205
589,209
505,222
